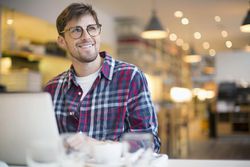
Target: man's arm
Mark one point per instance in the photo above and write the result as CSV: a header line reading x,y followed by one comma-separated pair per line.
x,y
141,115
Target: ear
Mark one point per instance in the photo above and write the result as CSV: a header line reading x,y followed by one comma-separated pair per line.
x,y
61,42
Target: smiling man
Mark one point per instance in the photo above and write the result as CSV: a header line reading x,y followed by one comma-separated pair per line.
x,y
99,96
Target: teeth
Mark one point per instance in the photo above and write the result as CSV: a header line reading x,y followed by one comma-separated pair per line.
x,y
85,46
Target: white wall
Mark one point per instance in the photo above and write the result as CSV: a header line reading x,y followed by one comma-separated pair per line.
x,y
233,66
50,9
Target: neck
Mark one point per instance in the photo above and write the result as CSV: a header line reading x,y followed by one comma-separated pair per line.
x,y
85,69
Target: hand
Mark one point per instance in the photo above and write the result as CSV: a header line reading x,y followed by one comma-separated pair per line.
x,y
78,140
74,141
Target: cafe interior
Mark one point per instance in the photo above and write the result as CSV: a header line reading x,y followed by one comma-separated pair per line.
x,y
197,63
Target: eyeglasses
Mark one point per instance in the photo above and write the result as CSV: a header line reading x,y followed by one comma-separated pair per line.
x,y
76,32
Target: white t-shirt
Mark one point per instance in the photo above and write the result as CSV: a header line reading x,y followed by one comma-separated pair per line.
x,y
87,82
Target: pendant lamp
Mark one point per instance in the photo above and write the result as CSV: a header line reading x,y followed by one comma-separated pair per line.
x,y
192,56
154,29
245,27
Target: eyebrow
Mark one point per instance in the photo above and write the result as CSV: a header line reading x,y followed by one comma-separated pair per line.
x,y
82,26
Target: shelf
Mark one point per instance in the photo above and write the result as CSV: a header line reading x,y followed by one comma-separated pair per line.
x,y
23,54
234,122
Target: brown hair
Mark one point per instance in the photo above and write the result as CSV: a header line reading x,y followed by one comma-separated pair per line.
x,y
74,11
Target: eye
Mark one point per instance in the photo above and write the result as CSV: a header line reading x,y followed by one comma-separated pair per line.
x,y
92,28
76,30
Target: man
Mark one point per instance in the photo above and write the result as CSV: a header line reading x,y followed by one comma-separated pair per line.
x,y
98,95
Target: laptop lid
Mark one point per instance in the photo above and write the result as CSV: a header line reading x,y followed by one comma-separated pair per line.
x,y
24,117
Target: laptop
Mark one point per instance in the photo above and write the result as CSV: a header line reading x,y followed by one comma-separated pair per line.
x,y
24,118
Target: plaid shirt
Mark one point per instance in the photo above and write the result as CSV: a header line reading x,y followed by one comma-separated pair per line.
x,y
118,102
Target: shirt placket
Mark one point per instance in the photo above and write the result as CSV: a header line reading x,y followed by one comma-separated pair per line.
x,y
73,110
86,116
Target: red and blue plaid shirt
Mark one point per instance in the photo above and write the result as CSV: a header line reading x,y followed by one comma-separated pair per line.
x,y
118,102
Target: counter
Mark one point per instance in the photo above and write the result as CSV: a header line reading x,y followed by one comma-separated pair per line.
x,y
204,163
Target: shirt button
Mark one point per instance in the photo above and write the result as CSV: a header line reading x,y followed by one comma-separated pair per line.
x,y
79,93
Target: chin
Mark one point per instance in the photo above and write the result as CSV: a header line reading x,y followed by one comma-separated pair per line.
x,y
86,59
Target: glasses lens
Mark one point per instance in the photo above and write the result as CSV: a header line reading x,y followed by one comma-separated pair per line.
x,y
76,32
94,29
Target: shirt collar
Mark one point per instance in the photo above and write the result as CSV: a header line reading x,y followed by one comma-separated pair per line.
x,y
107,70
108,65
70,77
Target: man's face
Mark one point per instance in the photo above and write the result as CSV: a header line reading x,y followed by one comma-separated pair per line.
x,y
84,49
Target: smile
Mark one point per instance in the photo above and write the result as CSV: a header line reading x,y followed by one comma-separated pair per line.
x,y
86,45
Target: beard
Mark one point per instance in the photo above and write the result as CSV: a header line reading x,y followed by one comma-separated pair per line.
x,y
84,55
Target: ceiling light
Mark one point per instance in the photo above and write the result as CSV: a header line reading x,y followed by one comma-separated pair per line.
x,y
224,34
245,26
192,56
154,28
206,45
229,44
179,42
197,35
178,14
173,37
212,52
185,21
217,18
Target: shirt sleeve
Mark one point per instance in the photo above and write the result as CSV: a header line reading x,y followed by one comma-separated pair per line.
x,y
141,113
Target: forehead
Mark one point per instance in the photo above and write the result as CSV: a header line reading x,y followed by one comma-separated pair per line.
x,y
82,21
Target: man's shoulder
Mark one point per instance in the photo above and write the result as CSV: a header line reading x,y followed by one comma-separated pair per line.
x,y
118,64
58,79
122,65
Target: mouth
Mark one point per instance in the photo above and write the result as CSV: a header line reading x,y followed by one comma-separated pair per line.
x,y
85,45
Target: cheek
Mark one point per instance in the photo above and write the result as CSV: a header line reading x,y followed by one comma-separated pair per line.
x,y
71,44
98,43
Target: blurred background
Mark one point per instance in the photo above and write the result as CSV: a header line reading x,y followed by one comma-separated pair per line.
x,y
198,68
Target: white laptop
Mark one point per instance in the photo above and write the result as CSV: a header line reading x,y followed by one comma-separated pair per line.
x,y
24,117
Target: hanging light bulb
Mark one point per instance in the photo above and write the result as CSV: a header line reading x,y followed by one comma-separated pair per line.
x,y
245,27
192,56
154,28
